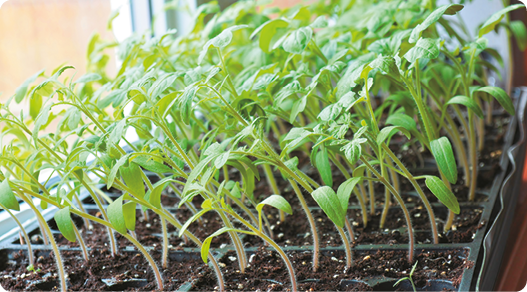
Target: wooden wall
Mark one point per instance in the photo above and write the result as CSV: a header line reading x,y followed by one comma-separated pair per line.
x,y
43,34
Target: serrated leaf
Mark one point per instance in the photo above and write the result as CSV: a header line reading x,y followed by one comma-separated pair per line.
x,y
330,204
495,18
345,189
386,64
468,102
296,42
424,48
298,107
276,201
501,96
7,197
63,220
440,190
450,9
444,156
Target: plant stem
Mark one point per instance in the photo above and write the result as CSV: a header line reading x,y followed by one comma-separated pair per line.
x,y
272,183
347,246
149,258
312,224
401,203
81,242
29,250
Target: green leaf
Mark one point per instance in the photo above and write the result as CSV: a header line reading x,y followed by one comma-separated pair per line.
x,y
221,160
424,48
116,216
387,132
129,215
330,204
115,169
220,41
345,189
7,197
296,42
63,220
152,165
491,23
520,33
433,18
21,91
323,166
276,201
402,120
268,32
468,102
206,243
90,77
501,96
117,132
155,194
440,190
386,64
298,107
190,220
444,156
133,179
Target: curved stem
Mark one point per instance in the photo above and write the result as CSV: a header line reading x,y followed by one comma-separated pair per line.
x,y
81,242
316,243
347,246
29,250
149,258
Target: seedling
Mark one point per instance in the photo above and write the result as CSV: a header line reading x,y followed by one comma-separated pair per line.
x,y
409,278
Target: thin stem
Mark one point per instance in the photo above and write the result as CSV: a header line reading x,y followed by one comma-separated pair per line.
x,y
81,242
29,250
149,258
312,224
165,243
403,207
347,247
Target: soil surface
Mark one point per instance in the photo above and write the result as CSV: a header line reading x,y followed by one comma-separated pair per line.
x,y
267,271
126,271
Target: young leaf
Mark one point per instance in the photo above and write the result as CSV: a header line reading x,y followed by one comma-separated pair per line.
x,y
268,31
330,204
7,197
116,216
297,41
276,201
424,48
386,64
440,190
152,165
501,96
433,18
444,156
190,220
129,215
520,33
133,179
387,132
402,120
345,189
323,166
21,91
63,220
468,102
489,25
221,160
206,243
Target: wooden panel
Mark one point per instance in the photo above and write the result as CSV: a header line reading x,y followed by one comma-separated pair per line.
x,y
43,34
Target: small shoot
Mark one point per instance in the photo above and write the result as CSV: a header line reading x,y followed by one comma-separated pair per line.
x,y
409,277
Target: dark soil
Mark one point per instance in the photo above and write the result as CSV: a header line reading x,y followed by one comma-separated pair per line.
x,y
267,271
126,271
